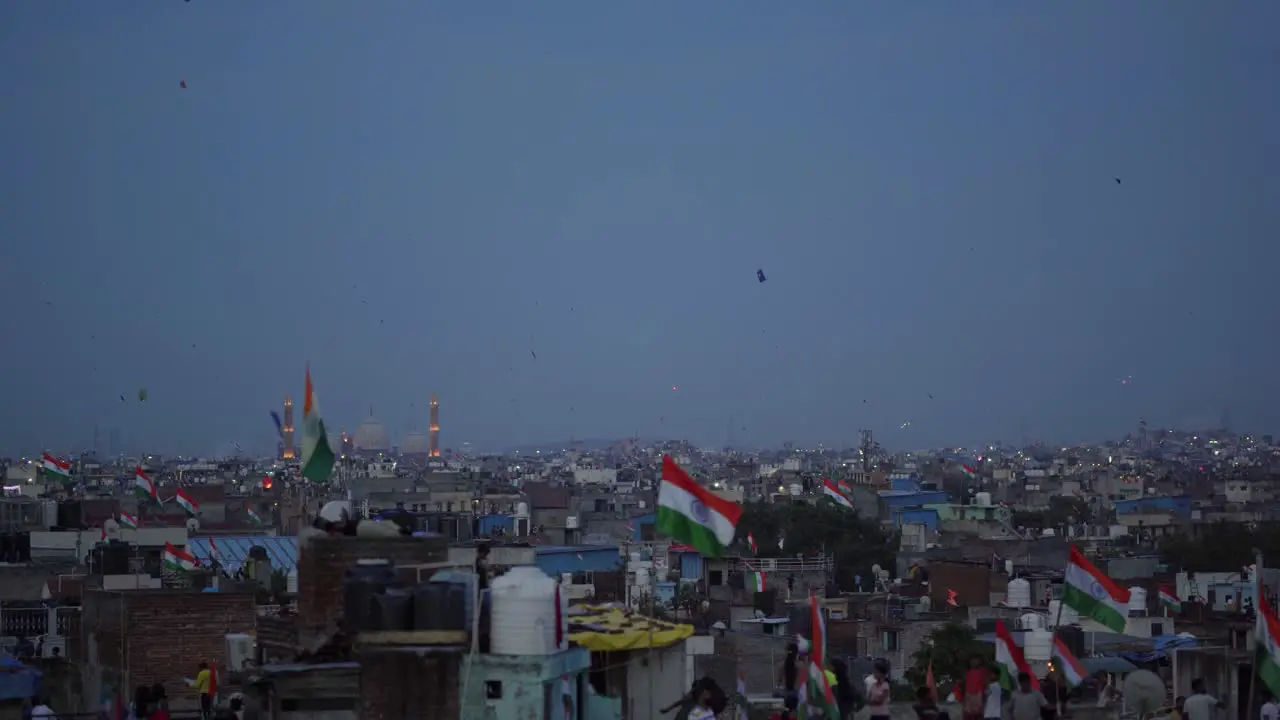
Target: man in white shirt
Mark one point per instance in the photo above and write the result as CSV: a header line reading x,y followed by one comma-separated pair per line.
x,y
1270,709
994,707
1200,705
42,710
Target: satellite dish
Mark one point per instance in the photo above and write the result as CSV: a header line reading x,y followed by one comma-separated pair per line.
x,y
1144,691
193,525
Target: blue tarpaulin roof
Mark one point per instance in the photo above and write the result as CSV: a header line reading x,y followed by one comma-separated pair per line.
x,y
18,681
233,549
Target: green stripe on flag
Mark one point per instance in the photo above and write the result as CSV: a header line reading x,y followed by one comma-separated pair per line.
x,y
1091,607
682,528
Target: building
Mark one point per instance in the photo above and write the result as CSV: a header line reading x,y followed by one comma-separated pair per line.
x,y
286,431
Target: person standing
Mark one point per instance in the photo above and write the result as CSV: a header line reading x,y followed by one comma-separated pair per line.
x,y
976,681
878,691
204,678
1026,703
994,709
1200,705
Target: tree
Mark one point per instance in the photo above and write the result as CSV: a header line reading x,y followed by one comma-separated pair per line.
x,y
949,647
855,543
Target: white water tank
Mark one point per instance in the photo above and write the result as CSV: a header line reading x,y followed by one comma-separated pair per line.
x,y
523,620
522,510
982,499
571,522
1037,645
1031,621
1137,601
1018,594
642,577
1068,617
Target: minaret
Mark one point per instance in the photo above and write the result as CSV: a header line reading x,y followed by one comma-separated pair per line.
x,y
434,429
287,430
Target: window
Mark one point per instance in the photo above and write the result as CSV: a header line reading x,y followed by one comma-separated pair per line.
x,y
583,578
889,640
717,577
1157,628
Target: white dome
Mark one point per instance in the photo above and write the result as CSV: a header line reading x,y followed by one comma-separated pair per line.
x,y
371,435
415,443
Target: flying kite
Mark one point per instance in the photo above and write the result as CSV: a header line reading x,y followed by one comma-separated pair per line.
x,y
182,84
142,395
760,275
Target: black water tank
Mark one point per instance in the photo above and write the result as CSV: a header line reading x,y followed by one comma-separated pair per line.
x,y
392,610
361,583
113,558
69,515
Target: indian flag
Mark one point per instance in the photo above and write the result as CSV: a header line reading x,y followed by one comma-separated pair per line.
x,y
178,559
844,487
830,490
57,467
1267,642
254,517
126,520
1065,662
689,514
969,471
1010,661
1169,600
755,581
191,506
145,489
317,457
1094,595
819,694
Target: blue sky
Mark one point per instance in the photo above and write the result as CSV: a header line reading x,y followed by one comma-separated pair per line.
x,y
416,197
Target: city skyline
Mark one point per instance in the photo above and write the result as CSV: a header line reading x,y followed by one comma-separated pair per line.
x,y
1031,221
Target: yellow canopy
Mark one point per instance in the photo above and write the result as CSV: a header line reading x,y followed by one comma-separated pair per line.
x,y
604,628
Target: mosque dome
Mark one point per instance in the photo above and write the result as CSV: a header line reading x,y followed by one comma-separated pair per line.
x,y
415,443
371,435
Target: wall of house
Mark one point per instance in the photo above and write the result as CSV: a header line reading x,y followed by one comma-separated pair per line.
x,y
517,686
399,685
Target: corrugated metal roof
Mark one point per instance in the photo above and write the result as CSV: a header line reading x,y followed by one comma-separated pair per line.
x,y
233,549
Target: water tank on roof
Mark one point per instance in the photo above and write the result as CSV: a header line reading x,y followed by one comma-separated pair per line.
x,y
522,510
523,620
1031,621
1019,593
982,499
1137,601
1037,645
571,522
1068,615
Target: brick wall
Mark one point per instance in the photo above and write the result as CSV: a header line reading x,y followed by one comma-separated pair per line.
x,y
323,561
158,636
400,685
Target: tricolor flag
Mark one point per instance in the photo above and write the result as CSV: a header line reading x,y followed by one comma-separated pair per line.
x,y
145,489
1266,640
819,694
317,457
254,517
1169,600
178,559
126,520
969,472
1094,595
690,514
741,687
755,581
1066,663
830,490
844,487
751,543
191,507
57,467
1010,661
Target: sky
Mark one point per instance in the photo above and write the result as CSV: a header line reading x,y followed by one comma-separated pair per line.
x,y
419,197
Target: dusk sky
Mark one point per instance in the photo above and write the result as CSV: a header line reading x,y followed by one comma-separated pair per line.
x,y
416,197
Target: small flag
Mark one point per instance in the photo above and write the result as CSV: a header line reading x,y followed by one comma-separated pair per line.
x,y
187,503
969,472
755,581
930,683
1065,662
751,543
830,490
952,596
57,467
317,457
275,416
126,520
741,687
1169,600
178,559
145,489
254,517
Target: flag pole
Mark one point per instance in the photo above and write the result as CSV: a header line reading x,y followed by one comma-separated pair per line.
x,y
1257,638
1053,637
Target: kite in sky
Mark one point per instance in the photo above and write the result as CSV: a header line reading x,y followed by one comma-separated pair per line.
x,y
760,275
